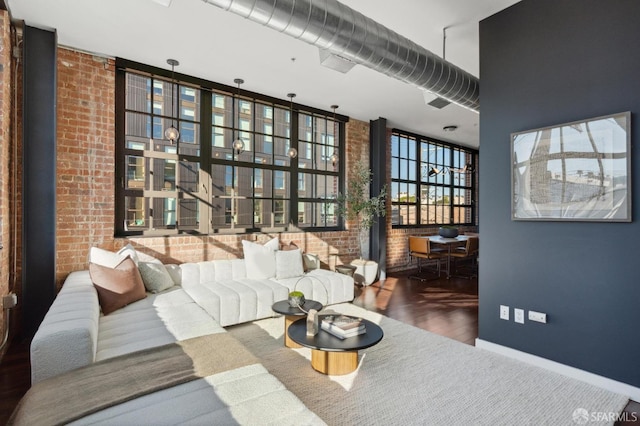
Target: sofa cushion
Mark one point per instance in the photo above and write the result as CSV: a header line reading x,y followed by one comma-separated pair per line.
x,y
68,335
155,276
117,287
326,287
247,395
260,260
289,264
157,320
231,301
194,274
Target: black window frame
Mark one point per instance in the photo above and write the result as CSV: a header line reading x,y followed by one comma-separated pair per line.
x,y
416,176
207,90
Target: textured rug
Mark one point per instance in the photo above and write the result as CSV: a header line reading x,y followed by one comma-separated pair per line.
x,y
416,377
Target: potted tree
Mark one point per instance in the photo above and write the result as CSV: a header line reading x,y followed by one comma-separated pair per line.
x,y
356,204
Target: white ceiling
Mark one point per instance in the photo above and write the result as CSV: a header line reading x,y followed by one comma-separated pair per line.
x,y
219,46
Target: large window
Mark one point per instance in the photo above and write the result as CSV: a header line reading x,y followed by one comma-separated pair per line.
x,y
200,184
432,183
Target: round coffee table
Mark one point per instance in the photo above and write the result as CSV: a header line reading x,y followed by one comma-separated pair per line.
x,y
331,355
292,314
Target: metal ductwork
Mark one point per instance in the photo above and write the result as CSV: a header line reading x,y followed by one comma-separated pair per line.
x,y
332,26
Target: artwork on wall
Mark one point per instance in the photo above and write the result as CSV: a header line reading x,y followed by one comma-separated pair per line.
x,y
579,171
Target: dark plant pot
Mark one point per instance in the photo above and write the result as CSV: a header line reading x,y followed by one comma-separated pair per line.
x,y
448,232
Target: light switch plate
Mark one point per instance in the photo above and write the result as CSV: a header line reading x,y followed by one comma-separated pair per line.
x,y
538,317
504,312
518,315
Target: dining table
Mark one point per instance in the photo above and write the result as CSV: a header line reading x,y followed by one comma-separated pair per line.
x,y
449,243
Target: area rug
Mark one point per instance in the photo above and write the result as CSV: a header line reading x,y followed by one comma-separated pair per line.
x,y
416,377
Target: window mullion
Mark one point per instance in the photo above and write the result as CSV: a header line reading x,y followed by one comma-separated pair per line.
x,y
293,166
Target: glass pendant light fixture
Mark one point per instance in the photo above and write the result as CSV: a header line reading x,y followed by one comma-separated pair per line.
x,y
238,144
171,132
292,152
334,156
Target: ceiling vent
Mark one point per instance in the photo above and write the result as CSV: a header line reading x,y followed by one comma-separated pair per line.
x,y
335,62
434,100
342,31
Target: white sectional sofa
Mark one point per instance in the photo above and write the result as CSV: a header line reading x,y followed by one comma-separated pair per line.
x,y
207,297
222,288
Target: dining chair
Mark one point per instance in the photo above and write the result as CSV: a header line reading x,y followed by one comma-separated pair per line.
x,y
420,248
468,252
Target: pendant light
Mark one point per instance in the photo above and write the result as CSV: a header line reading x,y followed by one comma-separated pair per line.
x,y
292,152
334,156
238,144
171,132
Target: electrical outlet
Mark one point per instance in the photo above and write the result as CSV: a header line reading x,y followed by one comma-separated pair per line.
x,y
518,315
504,312
538,317
9,301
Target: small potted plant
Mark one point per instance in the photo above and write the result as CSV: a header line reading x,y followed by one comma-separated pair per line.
x,y
448,231
296,299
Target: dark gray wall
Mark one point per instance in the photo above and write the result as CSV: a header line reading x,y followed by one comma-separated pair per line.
x,y
39,176
545,62
378,164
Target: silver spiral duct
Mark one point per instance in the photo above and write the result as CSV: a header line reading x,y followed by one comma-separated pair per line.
x,y
332,26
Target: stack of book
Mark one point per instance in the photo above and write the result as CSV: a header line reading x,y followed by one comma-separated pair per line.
x,y
343,326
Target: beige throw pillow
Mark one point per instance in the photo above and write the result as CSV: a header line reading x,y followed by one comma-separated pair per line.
x,y
117,287
289,264
155,276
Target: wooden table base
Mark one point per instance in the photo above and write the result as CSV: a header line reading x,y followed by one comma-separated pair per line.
x,y
288,319
334,363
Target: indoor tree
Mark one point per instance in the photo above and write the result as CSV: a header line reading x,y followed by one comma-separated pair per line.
x,y
356,204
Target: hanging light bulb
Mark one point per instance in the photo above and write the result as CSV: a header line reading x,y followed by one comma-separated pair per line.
x,y
291,152
334,156
238,144
171,132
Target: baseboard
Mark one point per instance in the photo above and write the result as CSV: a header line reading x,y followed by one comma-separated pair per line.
x,y
575,373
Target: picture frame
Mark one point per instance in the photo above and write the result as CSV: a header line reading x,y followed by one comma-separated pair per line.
x,y
577,171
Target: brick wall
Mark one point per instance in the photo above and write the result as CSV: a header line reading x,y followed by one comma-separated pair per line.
x,y
86,163
5,155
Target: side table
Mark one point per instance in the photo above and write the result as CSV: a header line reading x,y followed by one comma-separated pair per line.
x,y
292,314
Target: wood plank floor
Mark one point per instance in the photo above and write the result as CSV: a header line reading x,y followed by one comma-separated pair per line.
x,y
445,307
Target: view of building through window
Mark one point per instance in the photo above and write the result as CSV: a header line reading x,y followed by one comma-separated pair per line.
x,y
432,183
200,183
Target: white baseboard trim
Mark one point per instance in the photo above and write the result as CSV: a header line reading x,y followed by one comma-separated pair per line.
x,y
611,385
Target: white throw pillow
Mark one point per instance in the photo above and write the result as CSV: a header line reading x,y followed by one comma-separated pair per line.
x,y
260,261
289,264
155,276
175,272
106,258
273,244
130,251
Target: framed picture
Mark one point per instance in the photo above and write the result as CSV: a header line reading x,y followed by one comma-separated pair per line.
x,y
579,171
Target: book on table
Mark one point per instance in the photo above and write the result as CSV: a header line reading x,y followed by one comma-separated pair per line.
x,y
343,326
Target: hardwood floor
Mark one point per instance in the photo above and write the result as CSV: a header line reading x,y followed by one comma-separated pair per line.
x,y
15,377
445,307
